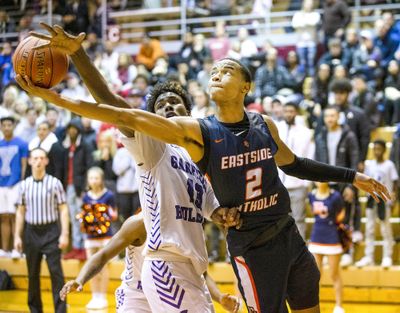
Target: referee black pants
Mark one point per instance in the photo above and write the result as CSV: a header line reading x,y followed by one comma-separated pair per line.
x,y
39,241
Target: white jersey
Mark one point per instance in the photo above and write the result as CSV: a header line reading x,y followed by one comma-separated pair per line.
x,y
133,267
175,198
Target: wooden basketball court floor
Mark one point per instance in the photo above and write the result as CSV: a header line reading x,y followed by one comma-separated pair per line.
x,y
15,301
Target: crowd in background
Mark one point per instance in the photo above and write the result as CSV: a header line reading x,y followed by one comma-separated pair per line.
x,y
326,95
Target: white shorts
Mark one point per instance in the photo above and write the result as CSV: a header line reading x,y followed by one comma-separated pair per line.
x,y
175,287
325,249
131,300
8,199
96,243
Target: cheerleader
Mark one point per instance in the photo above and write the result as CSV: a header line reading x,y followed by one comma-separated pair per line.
x,y
98,212
328,208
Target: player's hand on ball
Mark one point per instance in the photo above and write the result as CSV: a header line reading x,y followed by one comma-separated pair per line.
x,y
69,287
59,39
26,84
372,186
227,217
230,303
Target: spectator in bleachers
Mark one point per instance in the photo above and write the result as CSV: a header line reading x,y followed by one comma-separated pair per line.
x,y
7,24
92,45
220,7
76,16
248,47
150,50
127,187
392,102
142,83
339,72
364,98
220,44
385,172
73,87
336,16
200,49
351,43
26,127
203,76
104,155
337,145
40,106
52,117
6,66
188,55
296,70
109,59
320,86
276,112
367,57
392,25
89,134
160,71
10,96
78,158
300,140
127,71
305,22
48,141
385,42
13,157
335,55
135,98
271,77
201,104
327,207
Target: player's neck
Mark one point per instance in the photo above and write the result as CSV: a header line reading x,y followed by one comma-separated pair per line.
x,y
38,175
229,114
380,160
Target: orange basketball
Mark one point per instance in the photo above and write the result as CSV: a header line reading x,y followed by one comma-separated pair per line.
x,y
45,67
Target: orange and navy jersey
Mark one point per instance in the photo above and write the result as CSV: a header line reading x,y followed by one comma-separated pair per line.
x,y
243,173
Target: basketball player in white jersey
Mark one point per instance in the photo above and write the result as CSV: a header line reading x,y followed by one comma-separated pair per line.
x,y
129,297
175,199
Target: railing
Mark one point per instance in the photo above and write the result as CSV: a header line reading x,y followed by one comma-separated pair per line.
x,y
177,19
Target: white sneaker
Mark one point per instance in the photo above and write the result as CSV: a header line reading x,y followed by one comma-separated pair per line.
x,y
346,260
357,236
97,304
386,262
15,255
365,261
338,309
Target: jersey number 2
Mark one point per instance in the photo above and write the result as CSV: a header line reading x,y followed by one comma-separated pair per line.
x,y
253,183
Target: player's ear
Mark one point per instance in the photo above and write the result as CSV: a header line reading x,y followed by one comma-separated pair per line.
x,y
246,88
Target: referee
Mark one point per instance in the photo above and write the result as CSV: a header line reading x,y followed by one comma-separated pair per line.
x,y
41,207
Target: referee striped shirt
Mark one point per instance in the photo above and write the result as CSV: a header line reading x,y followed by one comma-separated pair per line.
x,y
41,199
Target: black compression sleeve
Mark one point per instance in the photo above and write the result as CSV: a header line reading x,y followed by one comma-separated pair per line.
x,y
316,171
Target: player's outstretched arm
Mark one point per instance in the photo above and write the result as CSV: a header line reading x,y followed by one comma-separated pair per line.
x,y
229,302
182,131
317,171
131,232
71,45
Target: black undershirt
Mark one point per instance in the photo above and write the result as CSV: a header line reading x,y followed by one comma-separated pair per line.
x,y
239,128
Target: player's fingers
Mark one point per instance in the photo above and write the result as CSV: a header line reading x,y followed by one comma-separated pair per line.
x,y
40,35
239,224
48,28
232,213
373,195
44,45
81,37
28,81
21,81
58,29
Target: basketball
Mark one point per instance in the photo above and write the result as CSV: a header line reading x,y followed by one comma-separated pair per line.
x,y
46,67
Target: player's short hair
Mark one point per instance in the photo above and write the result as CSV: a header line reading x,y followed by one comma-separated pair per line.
x,y
243,69
381,143
8,118
168,86
341,85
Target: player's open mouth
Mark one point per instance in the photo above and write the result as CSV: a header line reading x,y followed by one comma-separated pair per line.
x,y
170,114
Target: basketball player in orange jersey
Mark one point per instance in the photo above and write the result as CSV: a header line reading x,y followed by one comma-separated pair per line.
x,y
240,152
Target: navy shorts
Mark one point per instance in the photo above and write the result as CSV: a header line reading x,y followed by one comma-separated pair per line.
x,y
280,270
